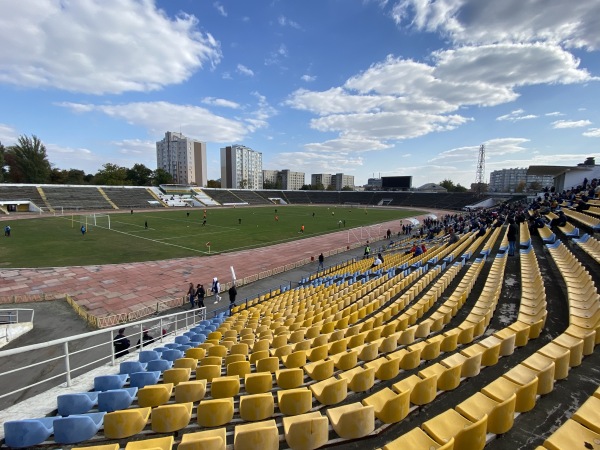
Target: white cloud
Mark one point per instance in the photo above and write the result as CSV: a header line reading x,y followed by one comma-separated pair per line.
x,y
64,157
8,135
284,21
220,8
276,57
87,45
244,70
220,102
592,132
347,144
319,162
263,112
516,115
493,149
227,76
571,123
136,147
554,113
158,117
308,78
474,21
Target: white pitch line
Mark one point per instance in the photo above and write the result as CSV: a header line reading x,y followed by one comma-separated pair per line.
x,y
192,235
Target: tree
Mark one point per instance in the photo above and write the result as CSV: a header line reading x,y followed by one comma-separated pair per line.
x,y
460,188
347,188
479,188
448,184
161,176
112,175
243,184
213,184
331,187
520,187
139,175
28,161
535,186
272,184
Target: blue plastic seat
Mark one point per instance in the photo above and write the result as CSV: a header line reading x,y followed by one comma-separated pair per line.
x,y
76,403
141,379
132,366
189,334
183,348
77,428
107,382
28,432
148,355
198,338
171,345
172,355
198,329
160,349
205,322
113,400
210,328
182,340
159,365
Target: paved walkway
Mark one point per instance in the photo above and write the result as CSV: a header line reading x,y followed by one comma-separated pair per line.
x,y
104,290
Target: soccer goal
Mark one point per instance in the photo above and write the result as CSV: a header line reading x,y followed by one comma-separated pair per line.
x,y
95,220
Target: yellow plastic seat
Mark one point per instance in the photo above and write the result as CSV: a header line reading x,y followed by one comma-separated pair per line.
x,y
502,389
450,424
345,360
126,422
216,335
352,421
306,431
208,372
368,352
256,406
258,435
359,379
588,414
216,412
190,391
258,355
154,395
280,341
317,353
417,439
330,391
211,361
176,376
470,365
238,368
234,358
294,359
302,345
258,383
489,355
507,343
319,370
215,439
522,333
292,402
289,378
522,374
411,358
99,447
336,347
575,346
422,390
240,348
225,387
389,406
385,368
163,443
182,363
169,418
448,378
572,435
195,352
501,415
269,364
450,341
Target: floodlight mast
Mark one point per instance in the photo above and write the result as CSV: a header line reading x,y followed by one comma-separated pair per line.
x,y
480,174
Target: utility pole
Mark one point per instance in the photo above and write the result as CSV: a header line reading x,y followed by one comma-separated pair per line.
x,y
480,174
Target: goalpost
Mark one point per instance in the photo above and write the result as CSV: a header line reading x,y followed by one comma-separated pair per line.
x,y
96,220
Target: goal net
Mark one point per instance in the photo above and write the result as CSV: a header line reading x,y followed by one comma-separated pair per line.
x,y
95,220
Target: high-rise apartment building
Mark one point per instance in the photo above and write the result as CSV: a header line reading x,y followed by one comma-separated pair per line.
x,y
241,168
336,182
284,179
507,180
183,158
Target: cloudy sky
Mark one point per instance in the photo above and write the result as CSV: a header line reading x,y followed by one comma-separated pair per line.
x,y
364,87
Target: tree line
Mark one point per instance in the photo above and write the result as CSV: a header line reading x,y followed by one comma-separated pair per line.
x,y
27,162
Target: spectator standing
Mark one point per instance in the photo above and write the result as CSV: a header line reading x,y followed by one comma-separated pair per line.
x,y
200,293
121,343
511,235
7,231
367,251
321,260
146,339
232,294
191,295
215,289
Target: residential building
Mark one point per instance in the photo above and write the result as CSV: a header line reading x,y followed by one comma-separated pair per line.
x,y
340,181
373,184
184,158
284,179
508,180
241,168
321,178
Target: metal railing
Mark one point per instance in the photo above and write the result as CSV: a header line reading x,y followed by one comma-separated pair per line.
x,y
33,369
15,315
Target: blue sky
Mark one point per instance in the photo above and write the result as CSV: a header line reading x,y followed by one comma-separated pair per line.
x,y
384,87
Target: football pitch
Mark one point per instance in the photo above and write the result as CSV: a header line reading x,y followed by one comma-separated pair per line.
x,y
51,241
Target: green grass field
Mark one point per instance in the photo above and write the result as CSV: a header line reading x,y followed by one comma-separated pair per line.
x,y
57,240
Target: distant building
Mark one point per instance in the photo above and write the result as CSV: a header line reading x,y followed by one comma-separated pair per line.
x,y
336,182
431,187
508,180
373,184
241,168
184,158
284,179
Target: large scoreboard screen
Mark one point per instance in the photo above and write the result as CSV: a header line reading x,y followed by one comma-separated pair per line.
x,y
396,182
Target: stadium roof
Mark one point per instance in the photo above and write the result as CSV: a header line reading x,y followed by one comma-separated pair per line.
x,y
547,170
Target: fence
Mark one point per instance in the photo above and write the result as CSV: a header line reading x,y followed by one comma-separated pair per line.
x,y
36,368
